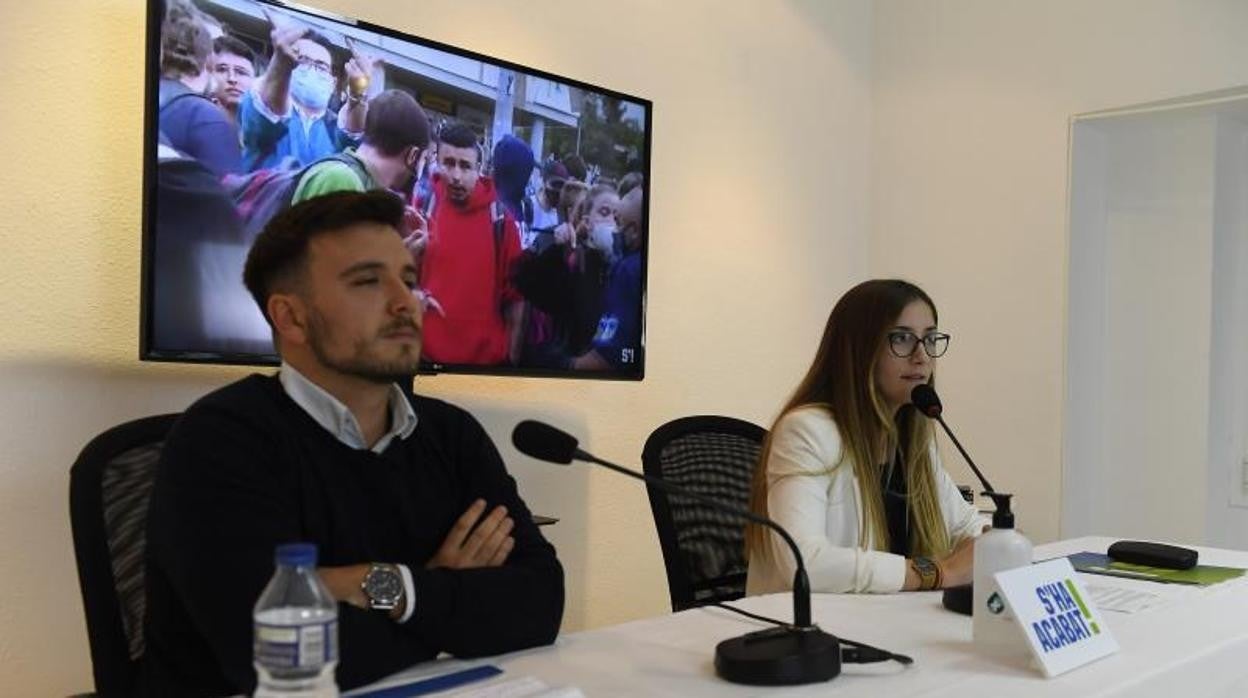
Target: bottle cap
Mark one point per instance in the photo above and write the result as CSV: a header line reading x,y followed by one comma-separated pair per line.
x,y
296,554
1002,517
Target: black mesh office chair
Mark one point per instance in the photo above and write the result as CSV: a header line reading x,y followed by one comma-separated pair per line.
x,y
703,548
109,486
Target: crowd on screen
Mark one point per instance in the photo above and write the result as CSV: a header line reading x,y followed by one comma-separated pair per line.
x,y
524,261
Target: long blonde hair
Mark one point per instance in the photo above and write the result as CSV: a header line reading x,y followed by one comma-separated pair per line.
x,y
841,380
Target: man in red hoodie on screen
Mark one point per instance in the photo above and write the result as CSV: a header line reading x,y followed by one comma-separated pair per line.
x,y
474,314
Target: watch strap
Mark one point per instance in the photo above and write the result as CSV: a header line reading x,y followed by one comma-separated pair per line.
x,y
928,571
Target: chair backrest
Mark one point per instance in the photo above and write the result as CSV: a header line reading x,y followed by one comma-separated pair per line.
x,y
109,487
703,547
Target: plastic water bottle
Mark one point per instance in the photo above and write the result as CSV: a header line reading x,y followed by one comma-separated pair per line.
x,y
296,629
993,627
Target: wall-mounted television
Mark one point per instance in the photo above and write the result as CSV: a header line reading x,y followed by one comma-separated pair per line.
x,y
529,208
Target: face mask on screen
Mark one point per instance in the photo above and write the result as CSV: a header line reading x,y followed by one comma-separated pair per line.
x,y
310,87
602,237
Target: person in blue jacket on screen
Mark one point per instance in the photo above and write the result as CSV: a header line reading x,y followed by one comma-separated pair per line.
x,y
850,468
187,120
286,114
617,342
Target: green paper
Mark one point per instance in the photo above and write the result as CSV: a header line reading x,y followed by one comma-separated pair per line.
x,y
1200,575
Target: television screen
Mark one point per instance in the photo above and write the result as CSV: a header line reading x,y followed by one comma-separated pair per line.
x,y
527,210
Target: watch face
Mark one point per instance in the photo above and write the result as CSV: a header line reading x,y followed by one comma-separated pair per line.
x,y
383,584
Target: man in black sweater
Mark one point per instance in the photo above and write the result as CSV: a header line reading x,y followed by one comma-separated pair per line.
x,y
401,496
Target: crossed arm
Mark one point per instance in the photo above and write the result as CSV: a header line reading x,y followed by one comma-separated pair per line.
x,y
469,545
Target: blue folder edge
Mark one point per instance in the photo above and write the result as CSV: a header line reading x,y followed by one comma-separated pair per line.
x,y
434,684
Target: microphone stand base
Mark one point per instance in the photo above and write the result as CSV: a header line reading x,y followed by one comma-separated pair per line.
x,y
779,657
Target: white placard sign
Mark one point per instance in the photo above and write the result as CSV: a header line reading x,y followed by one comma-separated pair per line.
x,y
1063,627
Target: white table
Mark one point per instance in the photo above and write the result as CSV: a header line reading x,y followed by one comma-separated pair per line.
x,y
1195,643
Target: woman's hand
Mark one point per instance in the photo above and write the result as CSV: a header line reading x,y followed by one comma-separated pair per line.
x,y
958,567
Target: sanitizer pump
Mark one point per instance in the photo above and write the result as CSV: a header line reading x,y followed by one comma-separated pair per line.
x,y
992,624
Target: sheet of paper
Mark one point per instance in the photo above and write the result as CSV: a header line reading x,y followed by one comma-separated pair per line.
x,y
521,687
1109,598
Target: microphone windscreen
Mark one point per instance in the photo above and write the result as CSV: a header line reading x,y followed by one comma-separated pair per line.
x,y
543,442
925,398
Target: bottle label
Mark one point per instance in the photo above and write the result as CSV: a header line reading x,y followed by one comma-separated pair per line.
x,y
296,646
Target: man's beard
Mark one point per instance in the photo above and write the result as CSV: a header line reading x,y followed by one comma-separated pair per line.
x,y
458,195
362,363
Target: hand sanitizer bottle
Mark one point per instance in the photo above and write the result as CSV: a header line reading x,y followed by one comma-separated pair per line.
x,y
1002,548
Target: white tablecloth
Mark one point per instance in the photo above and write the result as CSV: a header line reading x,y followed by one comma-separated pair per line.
x,y
1194,643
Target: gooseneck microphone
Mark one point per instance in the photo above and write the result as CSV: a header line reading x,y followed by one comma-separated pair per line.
x,y
924,398
544,442
797,654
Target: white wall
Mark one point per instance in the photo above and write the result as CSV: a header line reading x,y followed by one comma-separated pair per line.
x,y
761,187
971,103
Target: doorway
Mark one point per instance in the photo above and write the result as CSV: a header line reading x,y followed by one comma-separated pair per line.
x,y
1156,399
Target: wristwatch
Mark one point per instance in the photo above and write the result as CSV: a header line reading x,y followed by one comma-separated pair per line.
x,y
383,585
928,571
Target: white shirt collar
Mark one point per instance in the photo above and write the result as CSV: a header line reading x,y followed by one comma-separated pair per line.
x,y
337,419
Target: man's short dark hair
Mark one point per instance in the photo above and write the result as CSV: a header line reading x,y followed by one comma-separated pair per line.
x,y
231,45
318,38
459,136
280,252
395,122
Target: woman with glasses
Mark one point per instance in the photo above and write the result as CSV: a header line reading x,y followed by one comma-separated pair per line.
x,y
850,468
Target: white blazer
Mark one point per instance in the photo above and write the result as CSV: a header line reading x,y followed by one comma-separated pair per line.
x,y
821,508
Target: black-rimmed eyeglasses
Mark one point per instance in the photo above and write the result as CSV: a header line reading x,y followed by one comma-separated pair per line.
x,y
903,344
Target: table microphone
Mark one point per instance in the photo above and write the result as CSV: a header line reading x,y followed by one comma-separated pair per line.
x,y
800,653
959,599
